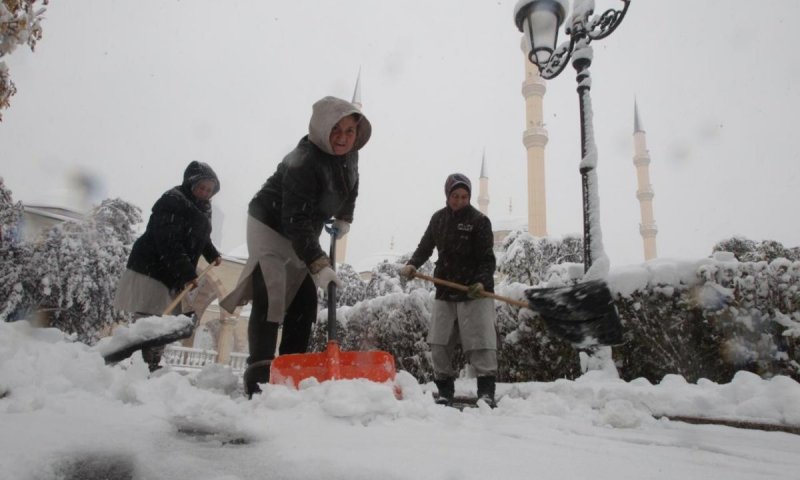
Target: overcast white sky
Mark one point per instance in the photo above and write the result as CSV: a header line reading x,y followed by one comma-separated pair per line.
x,y
131,91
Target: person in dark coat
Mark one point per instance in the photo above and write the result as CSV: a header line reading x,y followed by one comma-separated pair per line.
x,y
464,241
163,261
316,181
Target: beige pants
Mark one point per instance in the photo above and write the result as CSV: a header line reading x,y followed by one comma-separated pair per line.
x,y
471,323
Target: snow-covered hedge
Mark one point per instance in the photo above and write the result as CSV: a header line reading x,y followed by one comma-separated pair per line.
x,y
710,318
700,319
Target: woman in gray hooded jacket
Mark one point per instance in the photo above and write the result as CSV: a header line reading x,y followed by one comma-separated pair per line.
x,y
314,182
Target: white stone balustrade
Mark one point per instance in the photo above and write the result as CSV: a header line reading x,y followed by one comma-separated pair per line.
x,y
192,359
188,358
238,362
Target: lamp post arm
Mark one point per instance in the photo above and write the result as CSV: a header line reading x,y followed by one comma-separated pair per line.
x,y
558,60
604,25
582,25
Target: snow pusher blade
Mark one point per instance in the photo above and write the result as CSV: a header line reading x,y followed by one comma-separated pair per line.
x,y
582,314
333,364
166,333
123,345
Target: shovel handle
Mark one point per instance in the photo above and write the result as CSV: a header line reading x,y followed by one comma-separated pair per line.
x,y
464,288
183,293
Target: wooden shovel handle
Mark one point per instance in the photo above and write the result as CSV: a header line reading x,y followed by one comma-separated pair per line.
x,y
183,293
464,288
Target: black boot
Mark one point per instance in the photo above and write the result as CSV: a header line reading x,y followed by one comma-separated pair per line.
x,y
447,390
255,373
152,357
262,337
486,390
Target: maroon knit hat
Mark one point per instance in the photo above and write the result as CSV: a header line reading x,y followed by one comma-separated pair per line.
x,y
457,180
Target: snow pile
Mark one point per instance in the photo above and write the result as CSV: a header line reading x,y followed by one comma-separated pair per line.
x,y
65,415
626,280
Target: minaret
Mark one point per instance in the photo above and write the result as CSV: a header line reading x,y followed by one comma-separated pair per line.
x,y
483,188
641,158
534,138
341,244
357,91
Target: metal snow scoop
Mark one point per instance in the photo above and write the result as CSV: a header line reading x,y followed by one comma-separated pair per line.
x,y
583,314
184,330
332,364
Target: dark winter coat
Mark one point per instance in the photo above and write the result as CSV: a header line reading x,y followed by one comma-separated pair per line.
x,y
312,184
464,242
178,232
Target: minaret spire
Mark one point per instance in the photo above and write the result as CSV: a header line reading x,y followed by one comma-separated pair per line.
x,y
357,91
483,188
637,123
645,194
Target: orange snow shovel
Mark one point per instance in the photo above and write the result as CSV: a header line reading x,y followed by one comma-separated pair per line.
x,y
332,364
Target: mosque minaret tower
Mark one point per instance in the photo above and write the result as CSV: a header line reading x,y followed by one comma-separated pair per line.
x,y
535,139
645,194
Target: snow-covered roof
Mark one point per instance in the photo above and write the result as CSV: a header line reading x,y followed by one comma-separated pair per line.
x,y
509,223
56,213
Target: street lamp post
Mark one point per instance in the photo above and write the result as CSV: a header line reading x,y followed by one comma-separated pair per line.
x,y
540,20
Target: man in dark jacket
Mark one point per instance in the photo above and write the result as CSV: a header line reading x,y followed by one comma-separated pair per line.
x,y
163,261
463,238
314,182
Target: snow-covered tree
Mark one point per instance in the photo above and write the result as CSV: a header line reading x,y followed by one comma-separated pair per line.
x,y
353,291
746,250
397,323
20,23
409,286
742,248
118,218
385,280
76,267
13,256
526,259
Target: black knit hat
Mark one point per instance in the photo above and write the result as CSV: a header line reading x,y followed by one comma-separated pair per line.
x,y
457,180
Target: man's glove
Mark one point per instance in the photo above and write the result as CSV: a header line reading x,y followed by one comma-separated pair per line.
x,y
326,276
408,271
475,290
341,228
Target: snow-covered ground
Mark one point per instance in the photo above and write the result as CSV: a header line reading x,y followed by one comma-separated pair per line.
x,y
65,415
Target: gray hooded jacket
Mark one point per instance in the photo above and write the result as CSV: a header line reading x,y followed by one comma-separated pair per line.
x,y
312,184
